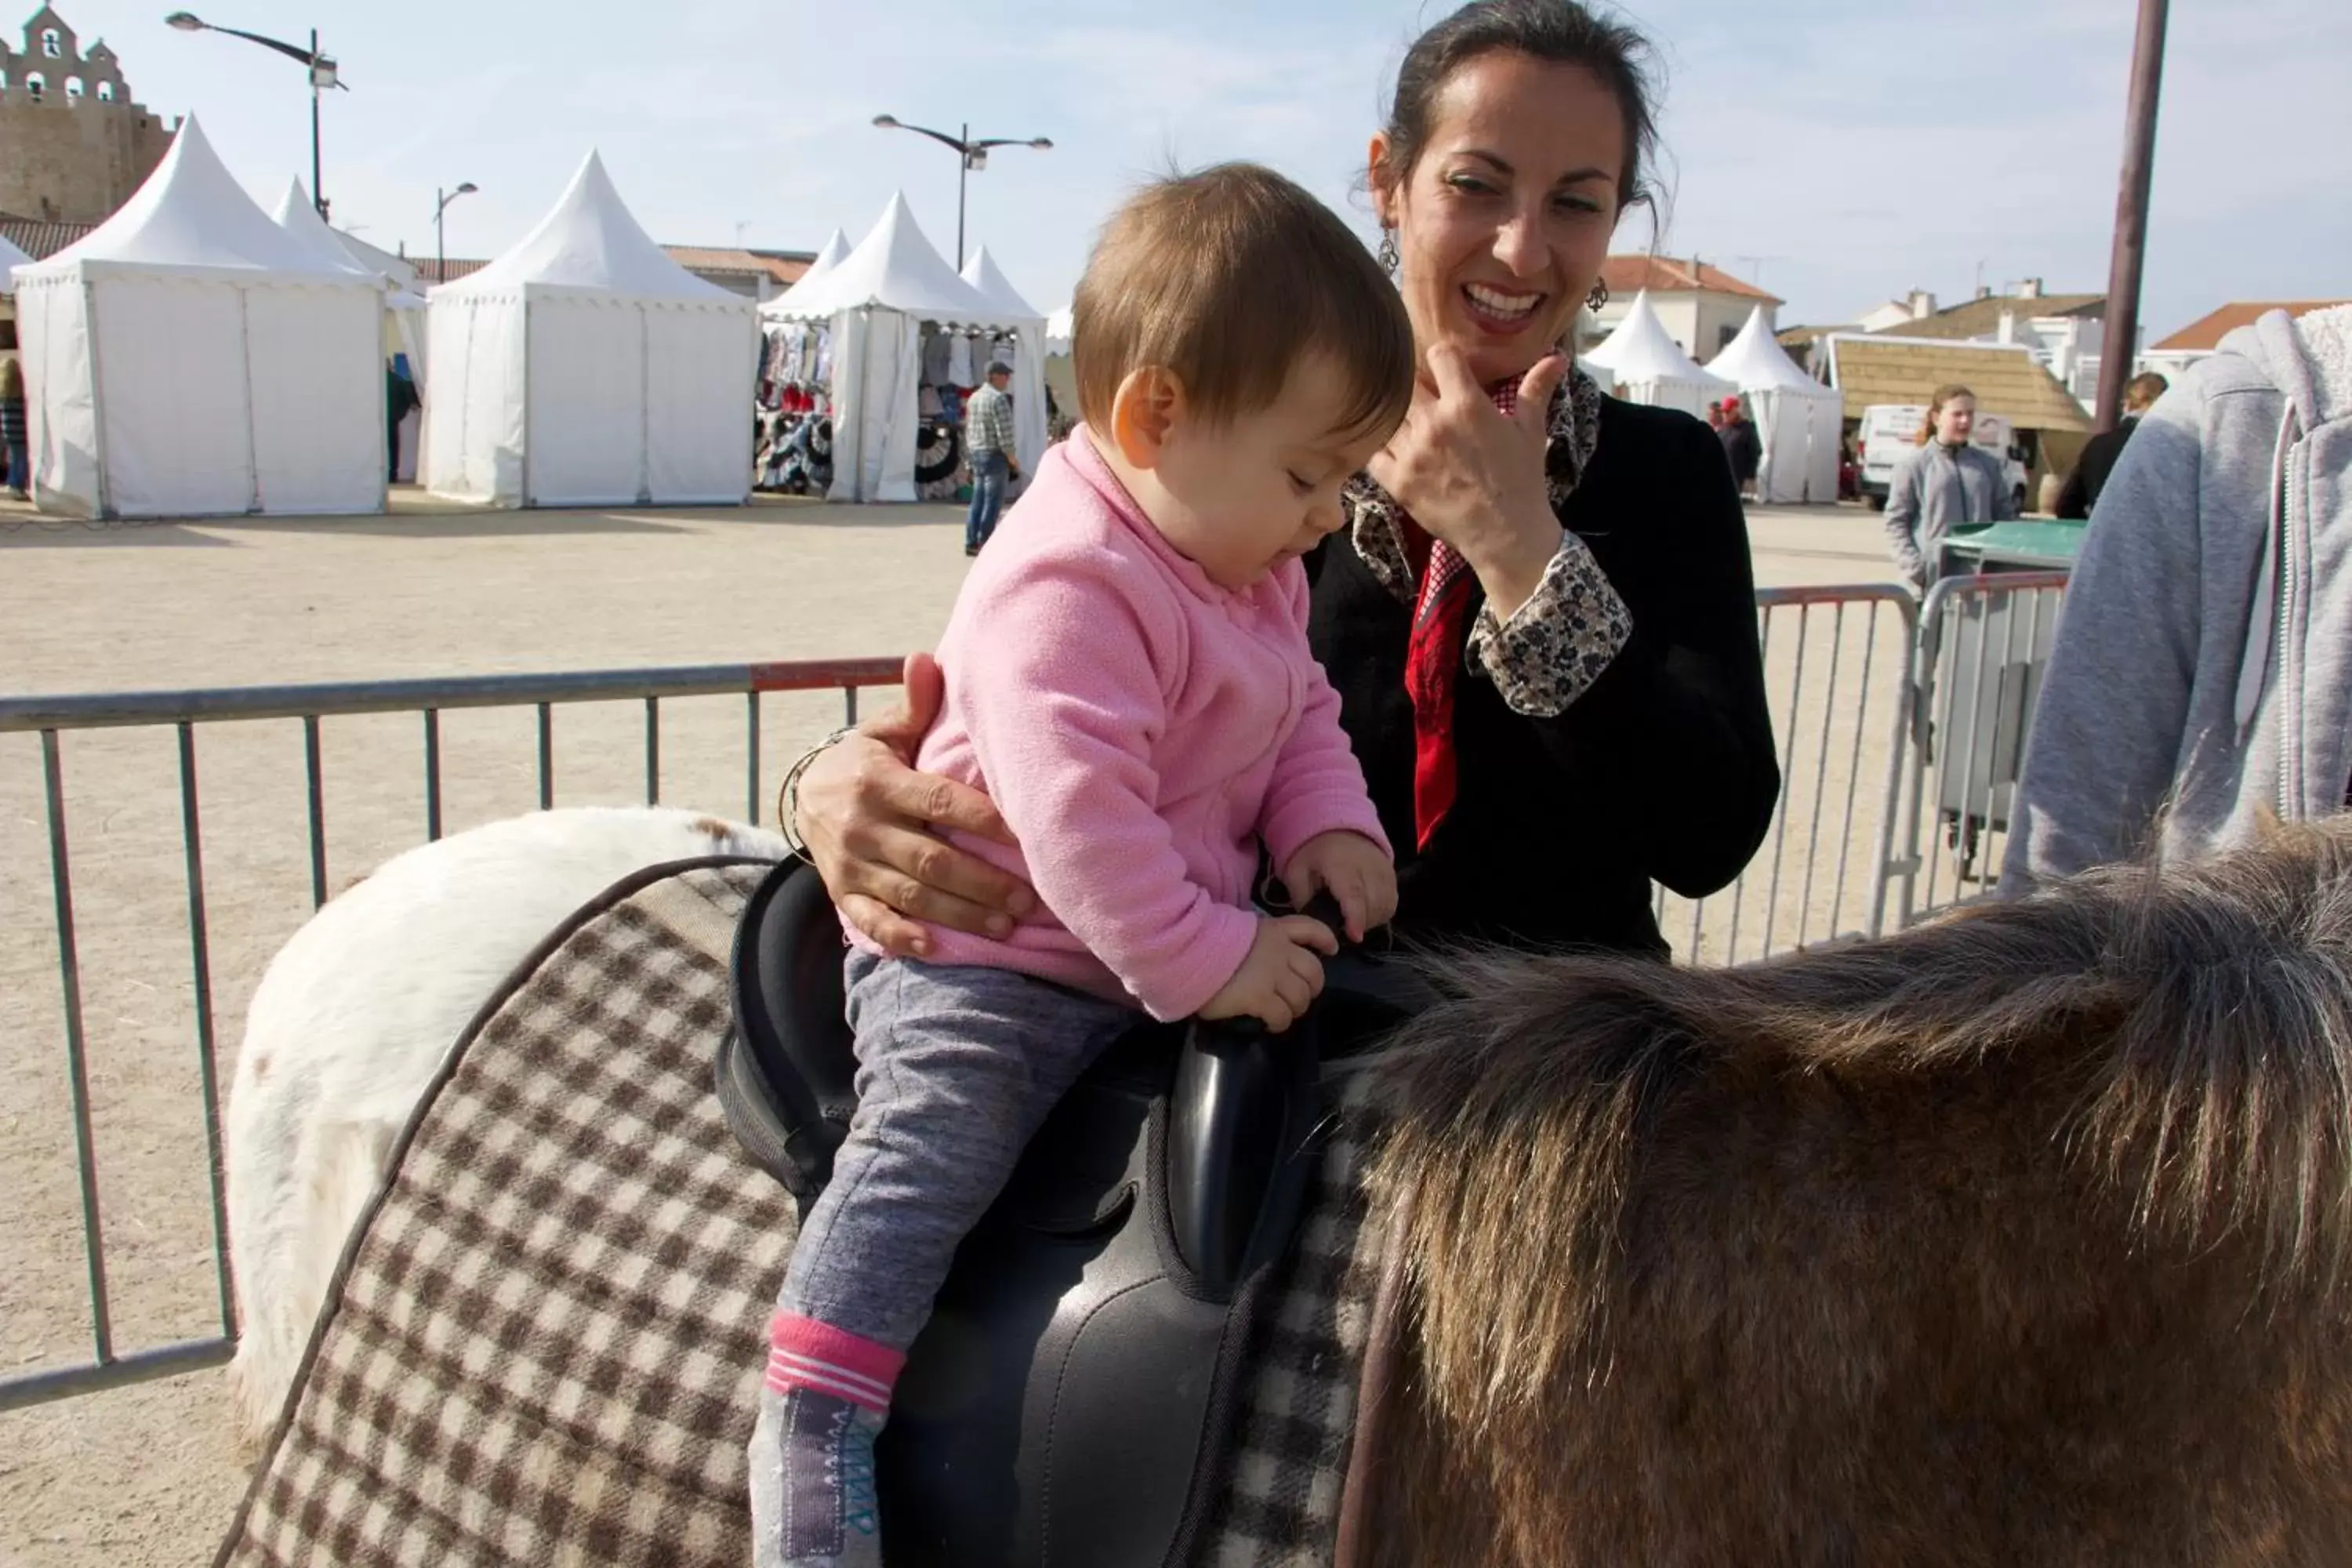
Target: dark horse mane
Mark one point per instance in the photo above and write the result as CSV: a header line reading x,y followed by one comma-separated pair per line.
x,y
2017,1237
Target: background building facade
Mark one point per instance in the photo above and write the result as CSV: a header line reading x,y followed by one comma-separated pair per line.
x,y
73,145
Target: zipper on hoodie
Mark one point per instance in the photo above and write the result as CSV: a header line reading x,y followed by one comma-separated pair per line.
x,y
2289,689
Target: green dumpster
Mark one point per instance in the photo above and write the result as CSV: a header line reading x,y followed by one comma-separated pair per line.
x,y
2048,545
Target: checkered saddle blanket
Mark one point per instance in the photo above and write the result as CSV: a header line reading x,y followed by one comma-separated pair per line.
x,y
544,1344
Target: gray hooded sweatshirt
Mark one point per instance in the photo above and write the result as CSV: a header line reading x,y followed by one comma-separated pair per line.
x,y
2202,673
1934,490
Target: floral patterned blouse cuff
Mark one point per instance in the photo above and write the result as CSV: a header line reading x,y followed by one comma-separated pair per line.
x,y
1556,645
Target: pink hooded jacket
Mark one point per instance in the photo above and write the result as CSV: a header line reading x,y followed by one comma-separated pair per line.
x,y
1140,729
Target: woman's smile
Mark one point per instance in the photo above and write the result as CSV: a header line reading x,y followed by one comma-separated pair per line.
x,y
1504,312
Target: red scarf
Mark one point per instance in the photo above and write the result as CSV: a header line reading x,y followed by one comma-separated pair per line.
x,y
1440,629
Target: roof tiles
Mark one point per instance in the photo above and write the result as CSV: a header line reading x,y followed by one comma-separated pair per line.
x,y
2006,381
1630,275
2207,332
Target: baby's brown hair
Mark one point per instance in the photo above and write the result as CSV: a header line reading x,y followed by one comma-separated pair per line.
x,y
1225,279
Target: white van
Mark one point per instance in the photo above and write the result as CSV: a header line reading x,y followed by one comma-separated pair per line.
x,y
1891,429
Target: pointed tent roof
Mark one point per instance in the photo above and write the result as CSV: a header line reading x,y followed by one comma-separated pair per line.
x,y
192,216
299,216
590,241
10,256
835,251
982,273
1756,360
1061,329
894,267
399,268
1639,350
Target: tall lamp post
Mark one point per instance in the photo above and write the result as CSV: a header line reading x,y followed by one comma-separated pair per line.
x,y
321,68
970,154
2120,338
441,200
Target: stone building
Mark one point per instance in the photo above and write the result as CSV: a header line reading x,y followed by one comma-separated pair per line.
x,y
73,145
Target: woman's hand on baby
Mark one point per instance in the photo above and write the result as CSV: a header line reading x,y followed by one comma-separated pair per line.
x,y
870,822
1474,476
1282,975
1356,871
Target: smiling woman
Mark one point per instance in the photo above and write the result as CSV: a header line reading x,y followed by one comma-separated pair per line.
x,y
1471,82
1538,615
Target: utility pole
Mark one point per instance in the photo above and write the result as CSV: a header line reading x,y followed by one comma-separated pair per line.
x,y
316,194
324,71
2122,333
963,177
441,200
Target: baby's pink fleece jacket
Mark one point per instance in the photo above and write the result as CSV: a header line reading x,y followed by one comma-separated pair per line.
x,y
1140,729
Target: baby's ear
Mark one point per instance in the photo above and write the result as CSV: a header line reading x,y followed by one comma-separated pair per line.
x,y
1145,414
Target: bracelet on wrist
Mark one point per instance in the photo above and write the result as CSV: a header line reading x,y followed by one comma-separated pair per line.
x,y
788,798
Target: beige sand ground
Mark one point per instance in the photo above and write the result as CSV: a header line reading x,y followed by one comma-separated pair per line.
x,y
144,1477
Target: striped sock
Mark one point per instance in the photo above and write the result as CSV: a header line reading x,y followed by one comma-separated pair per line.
x,y
805,1353
828,1397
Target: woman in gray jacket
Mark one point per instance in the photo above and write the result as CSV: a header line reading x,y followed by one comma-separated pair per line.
x,y
1945,483
2202,676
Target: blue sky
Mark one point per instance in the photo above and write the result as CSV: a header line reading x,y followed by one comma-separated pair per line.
x,y
1838,151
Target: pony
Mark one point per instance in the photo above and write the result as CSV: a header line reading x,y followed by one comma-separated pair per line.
x,y
2017,1238
351,1019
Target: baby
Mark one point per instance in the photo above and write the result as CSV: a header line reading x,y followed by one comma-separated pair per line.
x,y
1128,677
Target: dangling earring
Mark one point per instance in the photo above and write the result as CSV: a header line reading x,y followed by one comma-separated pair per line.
x,y
1598,297
1389,261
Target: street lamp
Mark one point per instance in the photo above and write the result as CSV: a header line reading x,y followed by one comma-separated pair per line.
x,y
441,200
320,66
970,154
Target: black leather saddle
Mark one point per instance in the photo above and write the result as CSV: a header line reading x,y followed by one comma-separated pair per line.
x,y
1070,1401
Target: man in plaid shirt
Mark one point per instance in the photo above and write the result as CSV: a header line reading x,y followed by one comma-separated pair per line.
x,y
988,440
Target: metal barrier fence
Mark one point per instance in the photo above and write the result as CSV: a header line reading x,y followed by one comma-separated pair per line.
x,y
1837,671
1873,696
1984,644
181,714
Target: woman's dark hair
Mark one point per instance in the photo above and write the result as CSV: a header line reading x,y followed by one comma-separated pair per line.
x,y
1558,32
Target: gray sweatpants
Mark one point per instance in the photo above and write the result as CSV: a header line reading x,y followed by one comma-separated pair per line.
x,y
957,1066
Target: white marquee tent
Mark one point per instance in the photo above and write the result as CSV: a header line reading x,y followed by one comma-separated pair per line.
x,y
10,258
1029,367
586,368
1798,417
298,216
835,248
191,358
400,275
404,313
399,268
877,299
1650,367
1062,330
835,251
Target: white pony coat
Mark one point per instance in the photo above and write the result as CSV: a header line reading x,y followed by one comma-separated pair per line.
x,y
356,1014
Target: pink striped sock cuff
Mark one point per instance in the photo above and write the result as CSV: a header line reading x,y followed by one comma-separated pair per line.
x,y
805,1353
